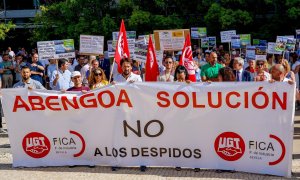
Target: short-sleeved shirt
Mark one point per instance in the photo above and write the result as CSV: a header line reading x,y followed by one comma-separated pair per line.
x,y
36,77
78,88
31,83
210,71
132,77
5,65
64,81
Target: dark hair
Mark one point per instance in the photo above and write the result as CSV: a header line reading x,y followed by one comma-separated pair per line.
x,y
126,60
62,62
167,57
227,74
24,67
181,69
208,53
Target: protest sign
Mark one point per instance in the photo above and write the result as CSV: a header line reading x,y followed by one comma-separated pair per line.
x,y
235,42
111,48
250,52
255,42
261,53
204,42
91,45
198,32
140,53
271,48
212,42
297,33
281,42
263,43
56,49
226,35
129,35
220,126
170,40
245,40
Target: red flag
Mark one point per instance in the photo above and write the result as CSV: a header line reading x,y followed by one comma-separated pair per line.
x,y
151,64
122,50
187,59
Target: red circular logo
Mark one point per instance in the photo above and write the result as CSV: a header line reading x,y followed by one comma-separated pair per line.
x,y
36,145
230,146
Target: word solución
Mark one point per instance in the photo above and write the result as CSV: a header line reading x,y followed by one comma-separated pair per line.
x,y
164,99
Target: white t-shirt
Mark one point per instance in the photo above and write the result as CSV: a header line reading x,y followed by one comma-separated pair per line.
x,y
132,77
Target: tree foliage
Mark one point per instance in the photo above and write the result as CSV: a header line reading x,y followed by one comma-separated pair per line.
x,y
262,19
5,28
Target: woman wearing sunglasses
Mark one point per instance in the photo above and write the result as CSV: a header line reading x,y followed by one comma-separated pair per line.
x,y
97,79
261,73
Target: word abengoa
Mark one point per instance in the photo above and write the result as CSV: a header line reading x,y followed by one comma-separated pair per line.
x,y
165,99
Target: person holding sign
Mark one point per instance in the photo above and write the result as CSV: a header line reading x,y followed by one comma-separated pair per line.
x,y
61,78
210,71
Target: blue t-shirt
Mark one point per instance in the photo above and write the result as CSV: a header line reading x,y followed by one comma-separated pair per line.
x,y
36,77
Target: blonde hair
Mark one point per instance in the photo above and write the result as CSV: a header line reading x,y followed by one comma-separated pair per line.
x,y
286,65
92,76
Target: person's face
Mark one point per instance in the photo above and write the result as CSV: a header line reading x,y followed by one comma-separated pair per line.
x,y
95,64
181,76
19,58
251,63
237,65
207,57
98,76
276,74
81,60
226,56
168,63
260,64
65,66
76,80
213,58
5,58
127,68
35,58
25,74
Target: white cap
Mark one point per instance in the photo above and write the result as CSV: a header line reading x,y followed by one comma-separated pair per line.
x,y
75,73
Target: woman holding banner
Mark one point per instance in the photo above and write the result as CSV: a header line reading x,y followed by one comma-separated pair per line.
x,y
97,79
261,74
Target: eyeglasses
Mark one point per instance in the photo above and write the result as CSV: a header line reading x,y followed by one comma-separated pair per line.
x,y
98,74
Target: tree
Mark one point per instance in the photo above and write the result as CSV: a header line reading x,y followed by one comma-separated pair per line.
x,y
5,28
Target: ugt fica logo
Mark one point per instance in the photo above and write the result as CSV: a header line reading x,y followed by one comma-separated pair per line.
x,y
36,145
229,146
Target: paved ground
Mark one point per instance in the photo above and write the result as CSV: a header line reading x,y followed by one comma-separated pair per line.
x,y
7,172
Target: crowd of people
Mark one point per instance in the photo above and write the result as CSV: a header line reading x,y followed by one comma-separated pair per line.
x,y
85,73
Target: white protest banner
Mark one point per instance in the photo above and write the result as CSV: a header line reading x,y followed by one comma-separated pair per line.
x,y
271,48
261,53
91,45
235,42
170,40
56,49
226,35
234,126
140,53
198,32
111,47
250,52
129,35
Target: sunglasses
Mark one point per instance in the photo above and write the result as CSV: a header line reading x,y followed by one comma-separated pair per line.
x,y
260,64
98,74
